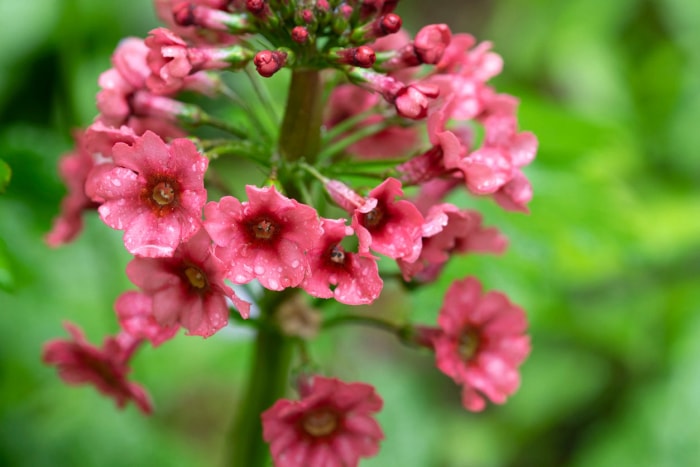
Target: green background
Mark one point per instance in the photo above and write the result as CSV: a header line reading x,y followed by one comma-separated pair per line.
x,y
607,265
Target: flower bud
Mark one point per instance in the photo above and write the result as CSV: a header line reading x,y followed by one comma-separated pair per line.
x,y
362,56
269,62
300,34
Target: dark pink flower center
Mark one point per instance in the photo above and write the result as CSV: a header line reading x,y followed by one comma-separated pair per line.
x,y
374,219
337,255
162,194
468,344
196,278
319,423
264,229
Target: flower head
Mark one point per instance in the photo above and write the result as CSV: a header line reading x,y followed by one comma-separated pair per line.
x,y
481,343
332,425
106,368
155,193
350,278
188,288
392,227
266,238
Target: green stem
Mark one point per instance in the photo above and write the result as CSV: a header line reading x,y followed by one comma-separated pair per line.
x,y
301,128
267,382
338,146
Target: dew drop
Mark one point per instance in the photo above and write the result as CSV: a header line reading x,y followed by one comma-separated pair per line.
x,y
259,270
116,182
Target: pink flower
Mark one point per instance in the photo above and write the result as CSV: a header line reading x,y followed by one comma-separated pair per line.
x,y
121,84
173,63
198,15
449,230
431,41
106,368
187,289
135,313
481,343
392,228
331,426
354,278
74,168
266,238
155,193
100,139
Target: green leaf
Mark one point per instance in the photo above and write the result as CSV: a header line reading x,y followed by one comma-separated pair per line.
x,y
5,175
7,280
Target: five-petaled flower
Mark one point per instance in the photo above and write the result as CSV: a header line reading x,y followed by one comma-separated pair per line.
x,y
332,425
480,343
155,193
266,238
188,288
354,277
106,368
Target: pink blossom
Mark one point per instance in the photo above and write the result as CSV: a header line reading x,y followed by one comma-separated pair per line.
x,y
155,193
449,230
172,62
392,228
105,368
74,168
431,41
187,289
135,313
354,278
100,139
481,343
201,21
331,426
121,85
266,238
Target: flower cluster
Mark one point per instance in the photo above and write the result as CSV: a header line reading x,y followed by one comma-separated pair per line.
x,y
363,172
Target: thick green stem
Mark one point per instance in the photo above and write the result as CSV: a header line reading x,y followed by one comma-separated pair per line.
x,y
301,128
267,381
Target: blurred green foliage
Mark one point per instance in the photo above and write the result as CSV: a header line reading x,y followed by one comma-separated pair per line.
x,y
607,265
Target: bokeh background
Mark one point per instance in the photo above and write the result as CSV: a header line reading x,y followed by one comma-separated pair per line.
x,y
607,265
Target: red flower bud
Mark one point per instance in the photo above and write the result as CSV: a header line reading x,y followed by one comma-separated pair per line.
x,y
269,62
300,34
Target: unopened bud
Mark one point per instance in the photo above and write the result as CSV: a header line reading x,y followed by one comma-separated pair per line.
x,y
431,41
307,16
389,24
269,62
255,6
362,56
300,34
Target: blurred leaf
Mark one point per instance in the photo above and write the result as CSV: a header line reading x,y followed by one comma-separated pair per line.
x,y
5,175
7,280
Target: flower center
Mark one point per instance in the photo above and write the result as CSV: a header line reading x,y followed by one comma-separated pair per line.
x,y
468,344
338,254
196,277
163,193
264,229
374,218
320,423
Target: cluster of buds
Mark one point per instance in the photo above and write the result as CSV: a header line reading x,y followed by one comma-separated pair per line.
x,y
378,133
